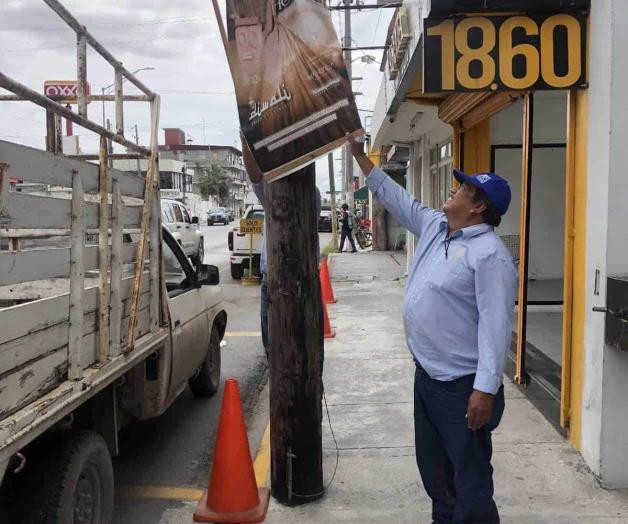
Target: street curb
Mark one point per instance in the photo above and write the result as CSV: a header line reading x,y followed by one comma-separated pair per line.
x,y
259,436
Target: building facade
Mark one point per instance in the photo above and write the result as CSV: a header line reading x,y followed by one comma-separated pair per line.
x,y
534,91
227,157
175,181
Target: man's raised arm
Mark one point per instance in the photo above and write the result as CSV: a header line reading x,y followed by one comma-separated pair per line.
x,y
397,201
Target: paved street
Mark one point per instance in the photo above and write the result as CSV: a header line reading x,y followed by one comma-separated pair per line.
x,y
163,462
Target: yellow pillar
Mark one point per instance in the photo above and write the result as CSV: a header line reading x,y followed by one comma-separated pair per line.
x,y
574,270
477,148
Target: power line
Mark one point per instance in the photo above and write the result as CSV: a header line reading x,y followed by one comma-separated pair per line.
x,y
62,46
182,92
134,24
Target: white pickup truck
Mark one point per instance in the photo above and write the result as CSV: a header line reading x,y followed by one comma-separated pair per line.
x,y
69,379
240,247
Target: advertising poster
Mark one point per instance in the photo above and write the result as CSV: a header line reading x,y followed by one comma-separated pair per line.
x,y
294,96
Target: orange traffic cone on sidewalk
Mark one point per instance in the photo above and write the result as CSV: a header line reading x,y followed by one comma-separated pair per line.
x,y
233,495
326,289
327,331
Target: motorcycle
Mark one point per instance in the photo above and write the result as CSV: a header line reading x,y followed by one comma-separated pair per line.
x,y
363,234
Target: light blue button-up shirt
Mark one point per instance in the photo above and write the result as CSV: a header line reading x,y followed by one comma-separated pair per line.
x,y
458,309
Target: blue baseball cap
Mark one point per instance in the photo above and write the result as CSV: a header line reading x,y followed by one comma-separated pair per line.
x,y
495,187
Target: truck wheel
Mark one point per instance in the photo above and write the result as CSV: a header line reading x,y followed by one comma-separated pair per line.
x,y
79,484
236,271
206,381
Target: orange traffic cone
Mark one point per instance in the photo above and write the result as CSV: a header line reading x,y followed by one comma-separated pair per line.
x,y
233,495
327,331
327,291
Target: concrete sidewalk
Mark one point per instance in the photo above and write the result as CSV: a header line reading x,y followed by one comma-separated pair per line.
x,y
369,375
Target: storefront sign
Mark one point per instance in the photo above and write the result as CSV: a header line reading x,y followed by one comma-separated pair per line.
x,y
399,41
67,89
502,53
251,226
294,97
171,193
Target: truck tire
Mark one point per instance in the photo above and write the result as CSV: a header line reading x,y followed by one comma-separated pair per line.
x,y
236,271
207,379
78,486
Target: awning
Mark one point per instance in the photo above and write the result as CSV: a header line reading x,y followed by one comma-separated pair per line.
x,y
361,194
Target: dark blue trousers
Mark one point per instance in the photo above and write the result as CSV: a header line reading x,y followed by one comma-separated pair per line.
x,y
454,462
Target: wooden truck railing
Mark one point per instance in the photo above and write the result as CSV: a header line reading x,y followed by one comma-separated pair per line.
x,y
75,314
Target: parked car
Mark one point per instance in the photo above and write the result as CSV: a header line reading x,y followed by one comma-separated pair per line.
x,y
239,245
230,214
217,215
184,229
325,219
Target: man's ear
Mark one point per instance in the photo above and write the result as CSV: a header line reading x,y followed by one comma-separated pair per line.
x,y
479,208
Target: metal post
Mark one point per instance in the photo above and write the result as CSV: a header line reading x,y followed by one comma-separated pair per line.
x,y
81,65
103,107
251,255
103,254
348,168
77,278
151,174
51,135
58,136
332,193
119,103
68,124
116,268
137,141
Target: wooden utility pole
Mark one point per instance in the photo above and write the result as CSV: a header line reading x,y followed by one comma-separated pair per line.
x,y
293,322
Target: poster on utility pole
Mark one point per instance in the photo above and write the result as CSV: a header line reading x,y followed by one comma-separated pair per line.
x,y
294,96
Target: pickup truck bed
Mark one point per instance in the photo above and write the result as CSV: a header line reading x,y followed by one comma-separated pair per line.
x,y
67,284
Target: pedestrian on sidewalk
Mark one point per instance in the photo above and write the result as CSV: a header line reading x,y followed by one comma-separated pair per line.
x,y
458,315
257,181
346,231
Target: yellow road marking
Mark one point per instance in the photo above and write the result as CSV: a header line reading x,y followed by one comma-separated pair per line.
x,y
243,334
261,466
155,492
262,460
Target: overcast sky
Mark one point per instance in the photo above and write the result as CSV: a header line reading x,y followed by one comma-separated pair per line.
x,y
179,39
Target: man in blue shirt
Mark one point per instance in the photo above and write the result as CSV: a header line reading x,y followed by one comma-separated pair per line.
x,y
458,315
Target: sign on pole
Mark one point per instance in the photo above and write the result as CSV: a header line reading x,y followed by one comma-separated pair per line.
x,y
505,53
251,226
294,95
67,89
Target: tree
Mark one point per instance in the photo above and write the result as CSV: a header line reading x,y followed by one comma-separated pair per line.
x,y
212,180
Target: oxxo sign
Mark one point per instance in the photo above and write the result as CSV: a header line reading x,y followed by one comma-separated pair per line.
x,y
491,53
65,88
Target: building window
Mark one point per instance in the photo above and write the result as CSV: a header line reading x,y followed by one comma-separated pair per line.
x,y
187,183
440,173
165,180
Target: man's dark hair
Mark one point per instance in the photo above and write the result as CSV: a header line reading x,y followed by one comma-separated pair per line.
x,y
490,214
345,206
